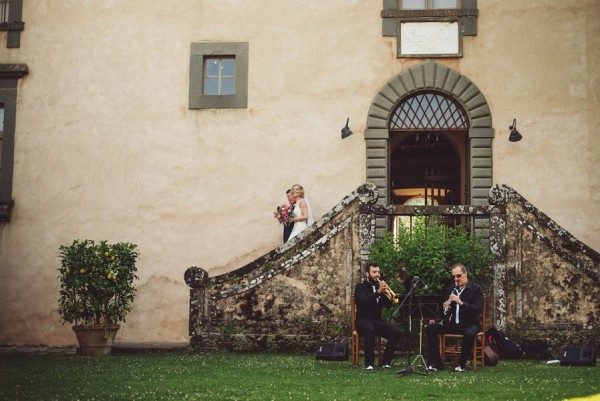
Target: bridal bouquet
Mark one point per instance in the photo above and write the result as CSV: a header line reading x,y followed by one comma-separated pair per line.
x,y
283,213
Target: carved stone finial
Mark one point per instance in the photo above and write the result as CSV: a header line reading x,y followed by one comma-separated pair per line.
x,y
195,277
500,195
367,193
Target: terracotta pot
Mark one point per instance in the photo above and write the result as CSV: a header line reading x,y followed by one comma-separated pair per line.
x,y
96,339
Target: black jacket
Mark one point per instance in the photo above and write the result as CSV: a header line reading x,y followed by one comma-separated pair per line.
x,y
367,306
470,311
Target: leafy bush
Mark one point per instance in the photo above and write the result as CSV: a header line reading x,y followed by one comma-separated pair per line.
x,y
428,252
96,282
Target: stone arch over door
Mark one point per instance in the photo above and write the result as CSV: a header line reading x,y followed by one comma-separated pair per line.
x,y
430,76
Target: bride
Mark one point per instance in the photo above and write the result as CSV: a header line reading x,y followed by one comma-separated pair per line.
x,y
303,216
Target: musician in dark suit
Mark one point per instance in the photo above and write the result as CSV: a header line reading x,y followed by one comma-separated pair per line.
x,y
463,309
288,227
370,297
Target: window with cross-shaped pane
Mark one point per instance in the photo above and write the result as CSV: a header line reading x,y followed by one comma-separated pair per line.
x,y
219,76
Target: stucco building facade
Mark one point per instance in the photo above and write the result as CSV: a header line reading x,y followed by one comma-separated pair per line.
x,y
115,139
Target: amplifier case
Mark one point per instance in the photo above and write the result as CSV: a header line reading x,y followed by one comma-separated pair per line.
x,y
573,356
333,351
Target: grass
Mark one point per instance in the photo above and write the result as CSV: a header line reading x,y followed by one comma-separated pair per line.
x,y
191,376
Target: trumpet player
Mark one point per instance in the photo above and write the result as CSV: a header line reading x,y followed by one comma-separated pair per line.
x,y
371,296
462,310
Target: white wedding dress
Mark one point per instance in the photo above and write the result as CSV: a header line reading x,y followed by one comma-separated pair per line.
x,y
301,225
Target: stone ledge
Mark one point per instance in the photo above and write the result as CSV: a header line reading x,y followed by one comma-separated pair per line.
x,y
36,350
150,347
118,347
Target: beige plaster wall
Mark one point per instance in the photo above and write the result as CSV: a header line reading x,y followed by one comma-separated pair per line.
x,y
538,62
106,147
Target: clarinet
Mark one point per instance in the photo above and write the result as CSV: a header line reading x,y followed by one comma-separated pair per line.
x,y
449,310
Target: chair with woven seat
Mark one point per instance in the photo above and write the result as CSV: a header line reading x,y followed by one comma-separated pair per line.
x,y
451,344
356,339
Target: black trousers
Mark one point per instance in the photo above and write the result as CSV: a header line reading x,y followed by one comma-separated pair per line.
x,y
369,329
469,331
287,230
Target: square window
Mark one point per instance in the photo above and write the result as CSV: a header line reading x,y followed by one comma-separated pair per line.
x,y
218,75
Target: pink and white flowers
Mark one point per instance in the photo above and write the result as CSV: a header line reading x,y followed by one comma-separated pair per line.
x,y
283,213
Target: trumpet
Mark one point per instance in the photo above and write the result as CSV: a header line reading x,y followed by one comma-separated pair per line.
x,y
389,293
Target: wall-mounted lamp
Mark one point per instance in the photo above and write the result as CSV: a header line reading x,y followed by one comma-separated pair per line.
x,y
515,136
346,132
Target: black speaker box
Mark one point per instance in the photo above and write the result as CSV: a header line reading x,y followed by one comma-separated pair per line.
x,y
333,351
585,356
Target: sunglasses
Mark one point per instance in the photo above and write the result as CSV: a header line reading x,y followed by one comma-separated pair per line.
x,y
457,275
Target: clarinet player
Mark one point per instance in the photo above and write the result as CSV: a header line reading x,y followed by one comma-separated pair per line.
x,y
462,315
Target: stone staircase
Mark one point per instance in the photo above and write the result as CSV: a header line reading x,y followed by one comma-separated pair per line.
x,y
546,281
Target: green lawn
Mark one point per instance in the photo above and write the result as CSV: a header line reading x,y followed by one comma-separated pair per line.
x,y
189,376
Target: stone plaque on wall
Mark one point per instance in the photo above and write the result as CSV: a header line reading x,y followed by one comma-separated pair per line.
x,y
426,39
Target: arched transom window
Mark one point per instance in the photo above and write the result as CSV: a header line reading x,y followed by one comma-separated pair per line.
x,y
428,110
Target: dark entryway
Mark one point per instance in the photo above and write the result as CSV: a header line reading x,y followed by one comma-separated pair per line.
x,y
425,169
428,151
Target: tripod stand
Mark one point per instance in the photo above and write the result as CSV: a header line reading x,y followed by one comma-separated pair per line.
x,y
410,368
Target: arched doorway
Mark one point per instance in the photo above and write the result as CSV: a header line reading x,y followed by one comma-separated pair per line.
x,y
428,149
467,129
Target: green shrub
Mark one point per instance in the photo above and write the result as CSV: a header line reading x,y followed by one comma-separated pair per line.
x,y
428,252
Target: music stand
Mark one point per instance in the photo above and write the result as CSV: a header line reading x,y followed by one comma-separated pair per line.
x,y
429,311
419,358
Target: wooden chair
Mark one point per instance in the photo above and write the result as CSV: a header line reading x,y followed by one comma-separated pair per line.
x,y
450,344
356,339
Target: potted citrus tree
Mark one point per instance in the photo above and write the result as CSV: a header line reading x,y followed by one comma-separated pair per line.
x,y
96,290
